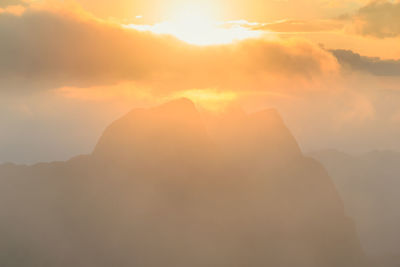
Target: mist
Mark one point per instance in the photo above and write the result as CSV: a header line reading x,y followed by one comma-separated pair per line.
x,y
199,133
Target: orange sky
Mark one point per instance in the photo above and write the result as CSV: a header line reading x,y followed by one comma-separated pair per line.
x,y
332,69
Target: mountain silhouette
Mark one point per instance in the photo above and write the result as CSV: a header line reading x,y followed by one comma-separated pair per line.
x,y
166,186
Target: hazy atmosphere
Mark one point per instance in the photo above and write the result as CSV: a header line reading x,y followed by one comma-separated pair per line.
x,y
199,133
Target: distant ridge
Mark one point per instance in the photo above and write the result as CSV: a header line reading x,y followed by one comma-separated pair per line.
x,y
368,184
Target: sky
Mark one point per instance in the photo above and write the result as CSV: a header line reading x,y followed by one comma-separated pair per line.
x,y
68,68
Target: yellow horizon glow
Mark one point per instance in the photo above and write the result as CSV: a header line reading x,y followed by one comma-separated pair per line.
x,y
209,99
195,24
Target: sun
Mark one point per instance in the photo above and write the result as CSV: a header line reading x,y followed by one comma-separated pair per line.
x,y
192,23
196,23
194,15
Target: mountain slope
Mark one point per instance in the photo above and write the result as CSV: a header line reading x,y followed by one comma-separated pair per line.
x,y
164,187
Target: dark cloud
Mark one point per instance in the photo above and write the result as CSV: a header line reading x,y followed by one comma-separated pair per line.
x,y
380,18
372,65
49,49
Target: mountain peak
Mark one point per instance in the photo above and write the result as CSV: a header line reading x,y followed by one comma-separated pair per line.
x,y
158,134
176,129
261,136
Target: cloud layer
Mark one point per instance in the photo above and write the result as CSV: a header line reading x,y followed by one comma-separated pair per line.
x,y
380,18
50,49
372,65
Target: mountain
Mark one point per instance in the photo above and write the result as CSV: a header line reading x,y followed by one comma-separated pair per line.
x,y
368,184
166,186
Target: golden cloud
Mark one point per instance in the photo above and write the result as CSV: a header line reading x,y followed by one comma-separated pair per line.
x,y
52,47
379,18
299,26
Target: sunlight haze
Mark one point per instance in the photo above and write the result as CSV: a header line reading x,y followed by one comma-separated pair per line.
x,y
188,133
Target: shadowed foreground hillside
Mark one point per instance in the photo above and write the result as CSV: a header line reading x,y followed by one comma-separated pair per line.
x,y
369,185
163,188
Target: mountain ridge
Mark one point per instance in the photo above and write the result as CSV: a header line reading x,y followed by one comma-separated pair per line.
x,y
161,190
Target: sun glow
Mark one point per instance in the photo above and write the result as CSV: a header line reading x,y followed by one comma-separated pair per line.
x,y
195,24
209,99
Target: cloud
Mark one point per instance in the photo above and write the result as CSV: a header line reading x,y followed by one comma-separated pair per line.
x,y
99,70
14,7
298,26
380,18
252,10
5,3
372,65
359,110
377,18
51,48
